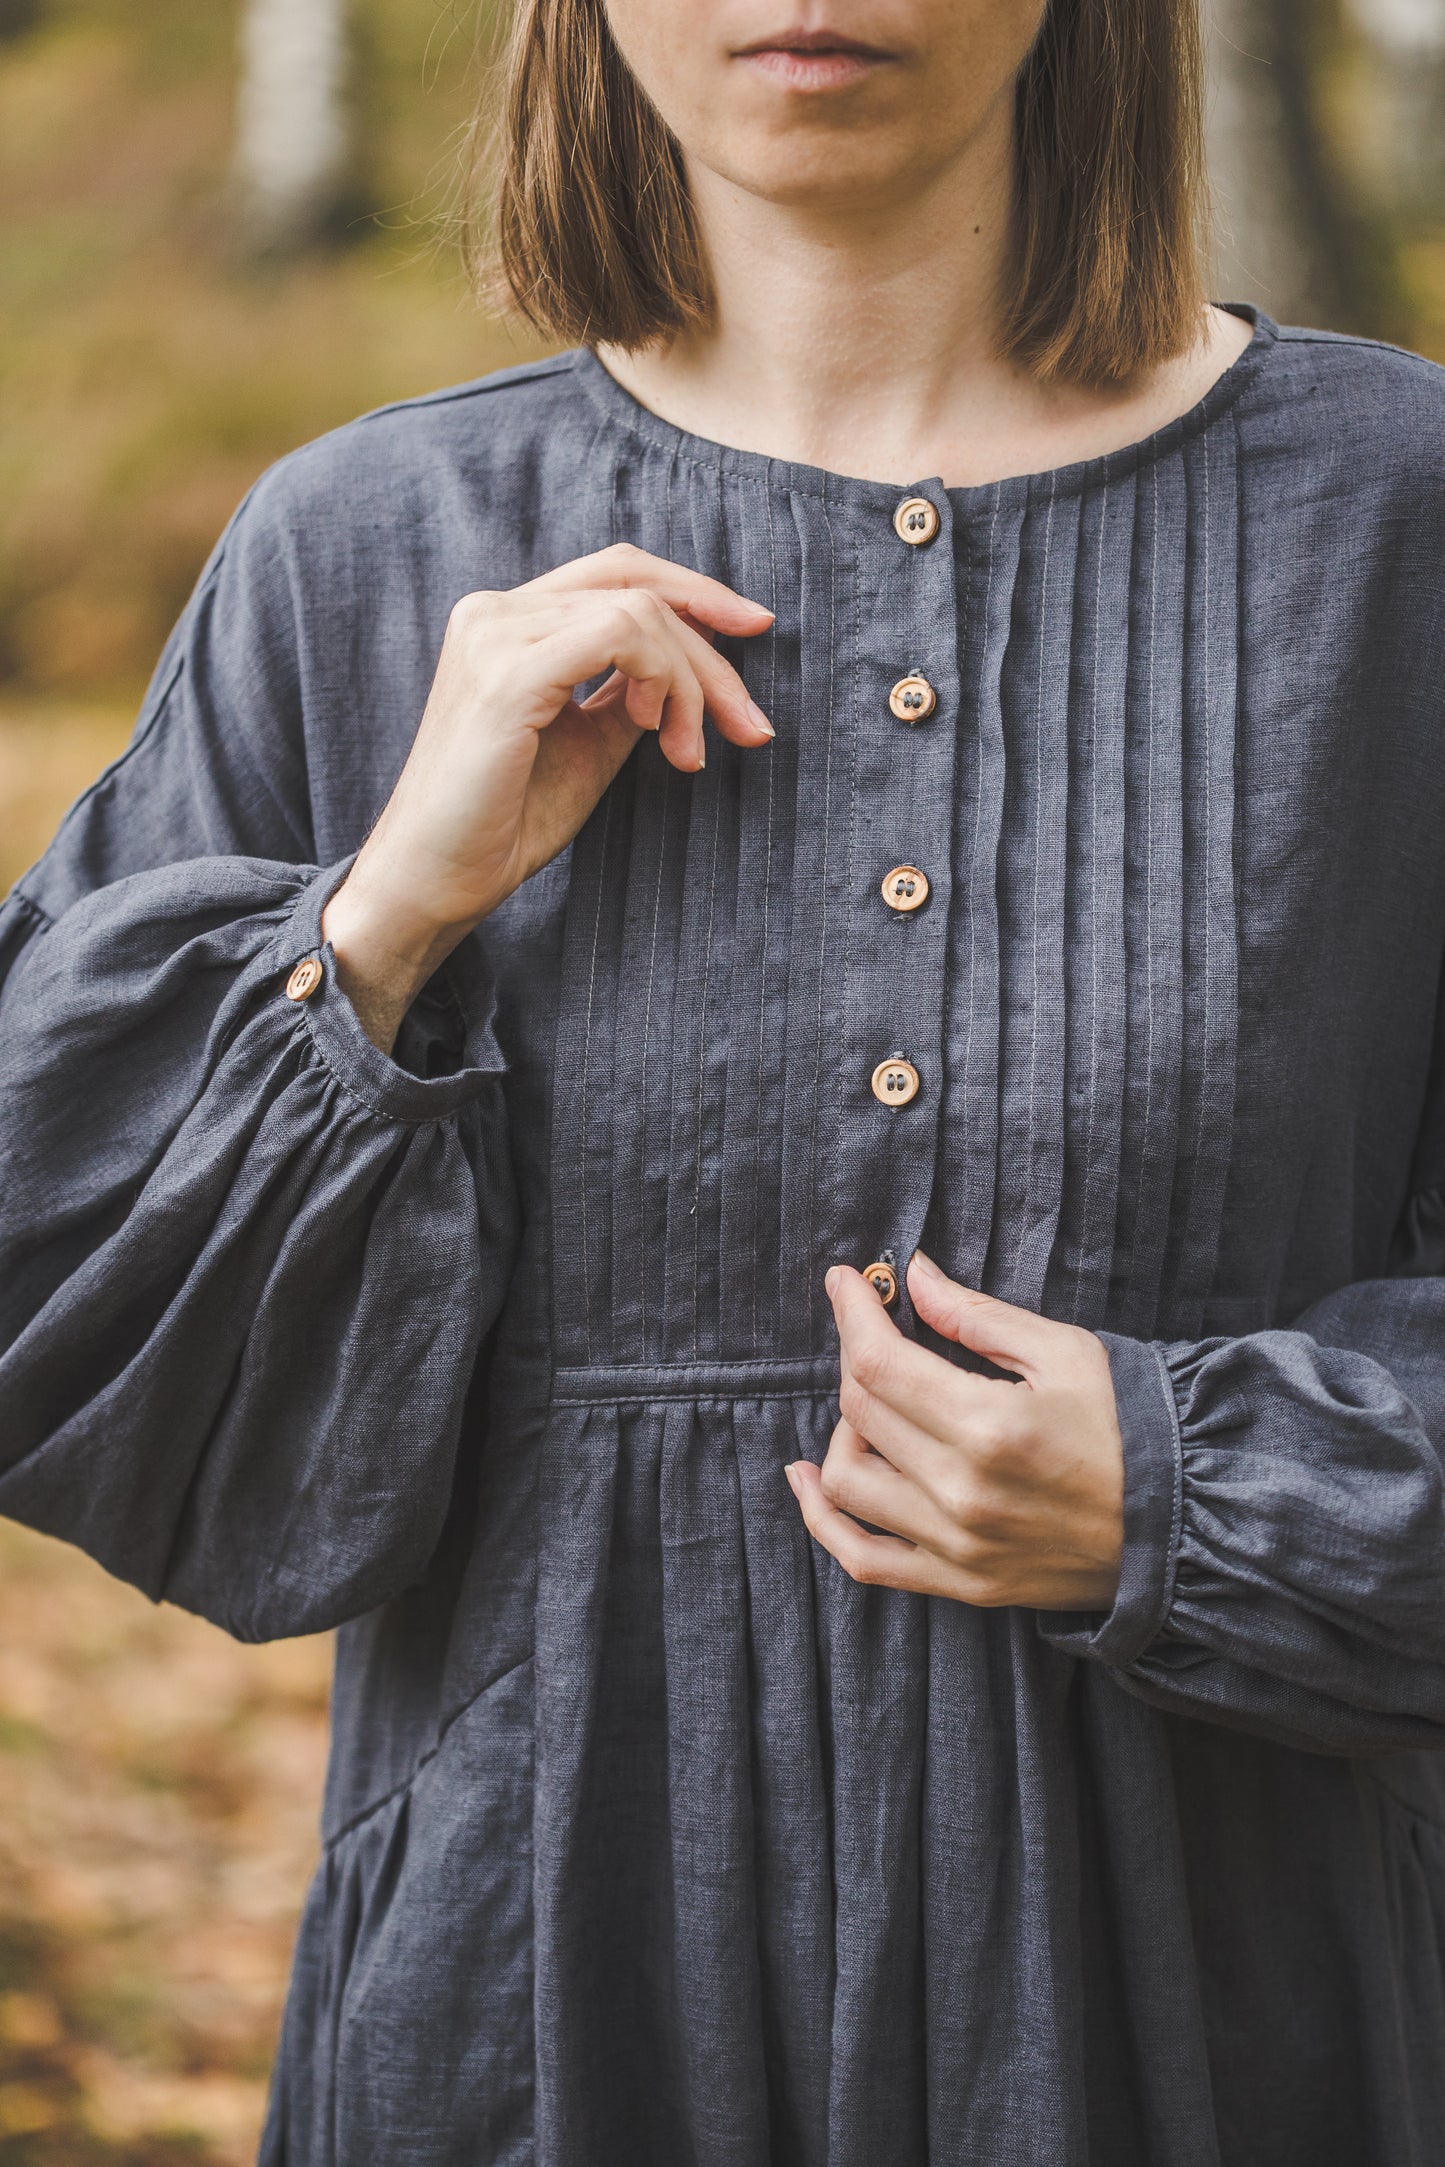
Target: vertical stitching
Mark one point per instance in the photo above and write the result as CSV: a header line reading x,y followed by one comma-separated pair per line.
x,y
831,681
1093,916
702,1046
973,866
586,1071
642,1260
667,775
592,977
702,1037
756,1272
1204,1067
1028,1196
1148,893
852,831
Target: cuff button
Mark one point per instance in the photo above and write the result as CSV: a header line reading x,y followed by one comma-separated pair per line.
x,y
304,980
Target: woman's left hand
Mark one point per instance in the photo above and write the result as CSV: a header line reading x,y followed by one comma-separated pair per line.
x,y
995,1493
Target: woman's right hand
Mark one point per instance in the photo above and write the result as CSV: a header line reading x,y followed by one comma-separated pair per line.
x,y
507,764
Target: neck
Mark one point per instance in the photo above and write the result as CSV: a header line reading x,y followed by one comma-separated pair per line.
x,y
845,337
866,339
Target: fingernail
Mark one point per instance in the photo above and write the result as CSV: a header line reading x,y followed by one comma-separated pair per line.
x,y
761,607
927,1264
830,1280
792,1478
759,719
702,756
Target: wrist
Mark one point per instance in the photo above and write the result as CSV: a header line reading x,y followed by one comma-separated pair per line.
x,y
385,951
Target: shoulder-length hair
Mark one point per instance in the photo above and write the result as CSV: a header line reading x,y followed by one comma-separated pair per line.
x,y
592,235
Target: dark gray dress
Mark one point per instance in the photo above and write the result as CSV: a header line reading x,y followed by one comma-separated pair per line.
x,y
651,1840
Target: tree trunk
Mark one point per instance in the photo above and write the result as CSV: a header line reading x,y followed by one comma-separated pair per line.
x,y
292,147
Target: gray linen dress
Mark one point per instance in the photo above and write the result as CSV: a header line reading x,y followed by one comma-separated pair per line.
x,y
650,1838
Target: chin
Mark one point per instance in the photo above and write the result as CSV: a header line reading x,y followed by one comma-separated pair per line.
x,y
810,166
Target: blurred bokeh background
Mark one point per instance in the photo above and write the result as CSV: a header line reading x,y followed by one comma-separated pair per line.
x,y
223,228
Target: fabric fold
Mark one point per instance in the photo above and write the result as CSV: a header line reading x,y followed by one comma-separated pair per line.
x,y
205,1304
1153,1493
1288,1540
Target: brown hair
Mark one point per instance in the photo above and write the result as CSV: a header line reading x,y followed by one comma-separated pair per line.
x,y
593,237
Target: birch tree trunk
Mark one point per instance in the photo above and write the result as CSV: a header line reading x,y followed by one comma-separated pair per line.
x,y
292,144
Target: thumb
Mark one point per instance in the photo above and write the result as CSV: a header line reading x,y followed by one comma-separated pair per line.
x,y
1013,1338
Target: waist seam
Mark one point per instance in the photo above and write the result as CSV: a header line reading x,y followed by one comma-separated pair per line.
x,y
787,1378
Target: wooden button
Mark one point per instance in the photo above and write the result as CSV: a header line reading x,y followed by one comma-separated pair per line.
x,y
905,888
304,980
895,1081
915,521
912,698
884,1281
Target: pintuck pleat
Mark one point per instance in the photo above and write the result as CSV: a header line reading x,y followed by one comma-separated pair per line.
x,y
823,731
1153,912
1095,991
988,555
1033,862
1211,943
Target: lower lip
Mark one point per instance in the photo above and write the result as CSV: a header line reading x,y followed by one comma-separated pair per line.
x,y
812,71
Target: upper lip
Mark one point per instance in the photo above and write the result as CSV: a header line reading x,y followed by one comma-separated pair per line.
x,y
812,41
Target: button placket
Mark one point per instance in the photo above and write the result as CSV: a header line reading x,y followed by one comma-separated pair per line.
x,y
904,784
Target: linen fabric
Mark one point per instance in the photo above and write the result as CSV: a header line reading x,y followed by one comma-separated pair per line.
x,y
650,1838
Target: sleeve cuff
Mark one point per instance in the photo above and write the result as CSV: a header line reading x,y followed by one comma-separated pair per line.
x,y
464,982
1153,1503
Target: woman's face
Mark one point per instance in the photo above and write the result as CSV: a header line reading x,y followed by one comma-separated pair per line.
x,y
825,103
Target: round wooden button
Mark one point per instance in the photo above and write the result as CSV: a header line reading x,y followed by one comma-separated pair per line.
x,y
304,980
912,698
915,521
884,1281
905,888
895,1081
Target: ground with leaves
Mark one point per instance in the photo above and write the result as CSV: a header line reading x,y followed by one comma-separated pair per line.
x,y
158,1794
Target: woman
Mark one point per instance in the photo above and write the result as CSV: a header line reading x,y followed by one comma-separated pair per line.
x,y
419,1223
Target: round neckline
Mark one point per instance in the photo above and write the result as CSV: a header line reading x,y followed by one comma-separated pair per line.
x,y
790,477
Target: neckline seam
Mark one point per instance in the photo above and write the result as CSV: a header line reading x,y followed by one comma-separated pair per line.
x,y
1075,478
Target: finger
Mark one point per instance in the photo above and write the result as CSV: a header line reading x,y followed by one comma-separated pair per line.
x,y
1016,1339
633,636
708,600
729,702
934,1457
883,1561
867,1486
724,694
735,712
908,1378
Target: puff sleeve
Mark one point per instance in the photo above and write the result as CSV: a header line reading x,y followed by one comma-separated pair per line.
x,y
247,1261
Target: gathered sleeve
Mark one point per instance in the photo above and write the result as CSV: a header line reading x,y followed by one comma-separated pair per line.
x,y
247,1261
1284,1554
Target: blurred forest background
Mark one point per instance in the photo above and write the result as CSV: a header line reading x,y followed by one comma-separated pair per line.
x,y
222,230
